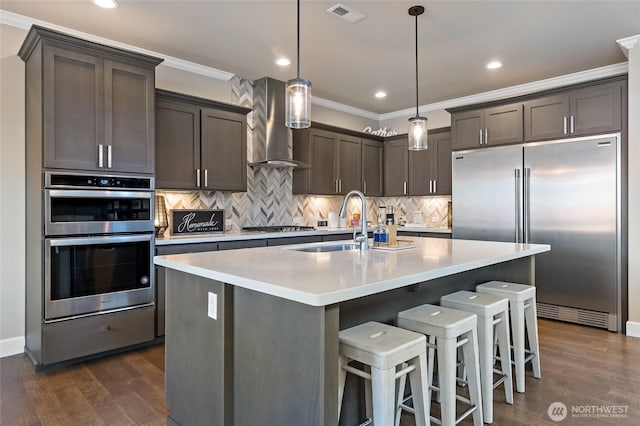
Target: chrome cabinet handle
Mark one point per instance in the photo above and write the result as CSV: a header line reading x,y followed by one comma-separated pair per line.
x,y
572,128
339,185
435,187
486,136
100,156
206,178
109,156
480,136
198,177
364,186
404,188
564,124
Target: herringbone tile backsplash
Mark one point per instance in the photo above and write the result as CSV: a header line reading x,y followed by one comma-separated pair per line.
x,y
268,200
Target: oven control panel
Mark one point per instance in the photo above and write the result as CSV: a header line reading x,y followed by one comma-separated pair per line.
x,y
73,180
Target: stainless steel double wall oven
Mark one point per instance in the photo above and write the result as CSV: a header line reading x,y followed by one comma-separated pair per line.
x,y
98,243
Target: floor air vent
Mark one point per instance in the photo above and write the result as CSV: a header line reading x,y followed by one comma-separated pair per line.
x,y
346,13
578,316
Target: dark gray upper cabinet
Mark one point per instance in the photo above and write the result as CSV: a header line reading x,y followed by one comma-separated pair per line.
x,y
223,150
418,173
396,166
440,147
96,103
589,110
177,144
200,144
336,159
497,125
349,163
372,168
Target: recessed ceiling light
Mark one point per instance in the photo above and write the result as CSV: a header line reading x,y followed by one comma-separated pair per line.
x,y
107,4
283,62
494,65
381,94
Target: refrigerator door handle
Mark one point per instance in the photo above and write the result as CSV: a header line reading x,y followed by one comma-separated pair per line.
x,y
518,208
527,197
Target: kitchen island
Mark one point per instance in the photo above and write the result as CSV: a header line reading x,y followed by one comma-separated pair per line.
x,y
252,335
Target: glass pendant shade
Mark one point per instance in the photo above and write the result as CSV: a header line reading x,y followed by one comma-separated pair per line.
x,y
418,133
298,104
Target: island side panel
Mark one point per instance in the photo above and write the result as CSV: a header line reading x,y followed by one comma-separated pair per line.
x,y
286,357
198,351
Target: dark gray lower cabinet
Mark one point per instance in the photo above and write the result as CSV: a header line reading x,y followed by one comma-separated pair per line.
x,y
232,245
97,333
424,234
294,240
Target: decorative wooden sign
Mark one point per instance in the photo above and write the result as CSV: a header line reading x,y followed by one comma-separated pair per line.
x,y
196,221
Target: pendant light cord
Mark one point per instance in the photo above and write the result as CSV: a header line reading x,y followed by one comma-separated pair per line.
x,y
298,66
417,112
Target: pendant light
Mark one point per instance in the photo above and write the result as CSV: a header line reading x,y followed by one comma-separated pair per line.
x,y
417,124
298,96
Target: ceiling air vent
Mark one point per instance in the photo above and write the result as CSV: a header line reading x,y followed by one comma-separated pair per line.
x,y
346,13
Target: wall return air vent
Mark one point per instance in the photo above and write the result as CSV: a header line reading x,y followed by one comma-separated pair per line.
x,y
346,13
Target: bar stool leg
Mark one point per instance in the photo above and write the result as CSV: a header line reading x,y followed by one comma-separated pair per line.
x,y
531,320
342,377
383,384
368,385
446,352
517,323
502,334
431,354
419,390
473,376
485,345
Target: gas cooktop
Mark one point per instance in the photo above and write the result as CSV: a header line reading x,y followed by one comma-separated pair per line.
x,y
278,228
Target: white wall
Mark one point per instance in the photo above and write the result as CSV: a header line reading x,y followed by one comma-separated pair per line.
x,y
321,114
12,192
633,325
436,119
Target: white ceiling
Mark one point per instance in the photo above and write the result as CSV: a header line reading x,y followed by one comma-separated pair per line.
x,y
348,63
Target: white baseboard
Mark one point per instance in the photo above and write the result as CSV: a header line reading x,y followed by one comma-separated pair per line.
x,y
12,346
633,328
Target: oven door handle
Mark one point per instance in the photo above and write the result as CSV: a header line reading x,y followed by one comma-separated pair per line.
x,y
107,239
101,193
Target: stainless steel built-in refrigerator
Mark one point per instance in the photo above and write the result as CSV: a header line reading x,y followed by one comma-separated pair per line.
x,y
565,193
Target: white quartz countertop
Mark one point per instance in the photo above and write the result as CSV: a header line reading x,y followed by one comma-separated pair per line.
x,y
242,235
320,279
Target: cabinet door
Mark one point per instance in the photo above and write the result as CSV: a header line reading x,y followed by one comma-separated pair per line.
x,y
129,116
396,161
546,118
466,127
177,145
73,109
349,163
372,165
420,166
503,124
596,109
442,163
322,155
223,150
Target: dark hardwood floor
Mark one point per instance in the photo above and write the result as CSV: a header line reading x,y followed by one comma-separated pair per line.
x,y
584,368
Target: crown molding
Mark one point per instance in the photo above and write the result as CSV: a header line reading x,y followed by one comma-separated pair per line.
x,y
344,108
25,22
521,89
628,43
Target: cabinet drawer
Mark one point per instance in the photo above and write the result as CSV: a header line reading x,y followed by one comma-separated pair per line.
x,y
232,245
294,240
186,248
91,335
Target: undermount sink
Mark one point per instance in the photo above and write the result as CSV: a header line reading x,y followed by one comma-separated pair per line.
x,y
327,248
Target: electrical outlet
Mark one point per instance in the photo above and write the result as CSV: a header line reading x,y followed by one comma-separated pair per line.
x,y
212,309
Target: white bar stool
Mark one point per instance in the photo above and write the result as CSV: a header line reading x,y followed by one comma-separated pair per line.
x,y
382,348
522,304
492,312
449,329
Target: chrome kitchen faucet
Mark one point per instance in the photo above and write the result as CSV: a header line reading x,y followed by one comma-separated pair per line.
x,y
362,238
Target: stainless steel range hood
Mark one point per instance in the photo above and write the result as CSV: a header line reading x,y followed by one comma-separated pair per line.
x,y
271,138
